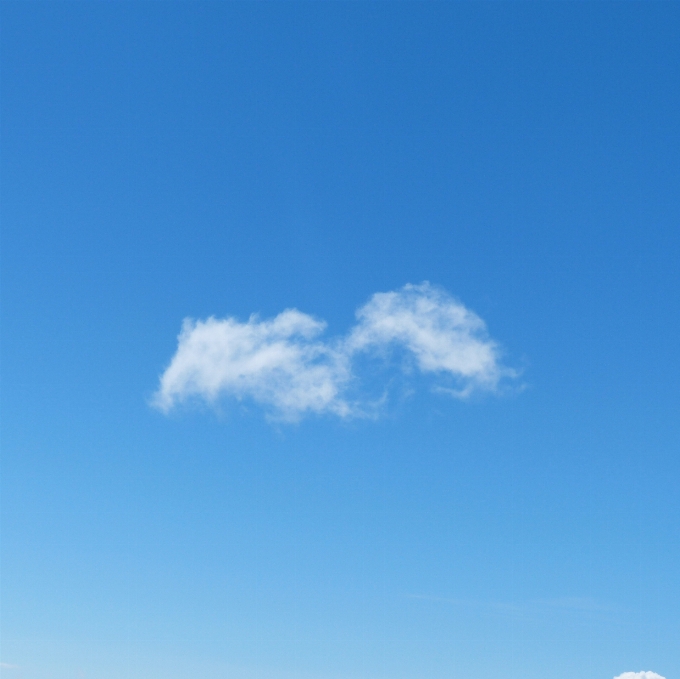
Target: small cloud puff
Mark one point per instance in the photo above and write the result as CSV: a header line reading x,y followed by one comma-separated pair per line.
x,y
639,675
283,365
443,336
277,363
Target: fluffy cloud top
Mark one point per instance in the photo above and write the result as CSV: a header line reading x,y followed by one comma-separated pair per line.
x,y
639,675
284,365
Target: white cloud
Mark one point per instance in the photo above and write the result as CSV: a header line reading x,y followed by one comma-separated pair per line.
x,y
639,675
277,363
283,364
443,335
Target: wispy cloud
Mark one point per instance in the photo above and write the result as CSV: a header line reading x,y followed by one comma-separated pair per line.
x,y
578,610
639,675
8,666
285,366
579,604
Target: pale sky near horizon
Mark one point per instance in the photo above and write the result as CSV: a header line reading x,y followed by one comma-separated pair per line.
x,y
340,340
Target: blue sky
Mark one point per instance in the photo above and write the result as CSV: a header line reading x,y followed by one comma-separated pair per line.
x,y
484,481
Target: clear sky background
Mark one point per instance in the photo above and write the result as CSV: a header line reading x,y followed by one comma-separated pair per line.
x,y
169,160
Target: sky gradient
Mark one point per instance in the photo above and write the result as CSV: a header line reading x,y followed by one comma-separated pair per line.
x,y
512,516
